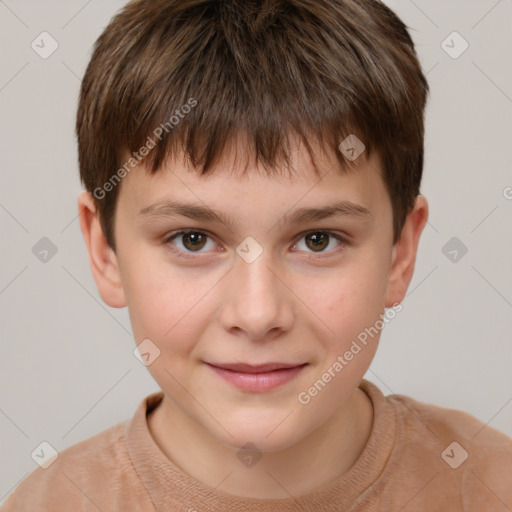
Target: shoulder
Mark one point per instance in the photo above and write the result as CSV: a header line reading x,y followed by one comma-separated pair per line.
x,y
449,424
82,477
467,457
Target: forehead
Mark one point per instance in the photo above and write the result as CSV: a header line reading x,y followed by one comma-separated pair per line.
x,y
236,185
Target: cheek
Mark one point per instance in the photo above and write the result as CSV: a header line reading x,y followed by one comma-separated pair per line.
x,y
354,300
167,304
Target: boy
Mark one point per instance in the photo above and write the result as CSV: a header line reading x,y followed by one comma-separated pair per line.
x,y
283,143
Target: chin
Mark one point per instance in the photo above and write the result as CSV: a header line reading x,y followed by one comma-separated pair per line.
x,y
267,435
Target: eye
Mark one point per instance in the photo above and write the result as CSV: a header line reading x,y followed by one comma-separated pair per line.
x,y
190,241
318,241
186,242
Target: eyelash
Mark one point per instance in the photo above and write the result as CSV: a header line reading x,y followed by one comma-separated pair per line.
x,y
189,255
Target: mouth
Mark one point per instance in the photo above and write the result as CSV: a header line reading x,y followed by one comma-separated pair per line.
x,y
255,378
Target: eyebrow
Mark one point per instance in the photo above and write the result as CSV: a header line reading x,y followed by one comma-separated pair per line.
x,y
170,209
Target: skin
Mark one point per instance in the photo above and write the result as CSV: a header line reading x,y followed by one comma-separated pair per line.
x,y
295,303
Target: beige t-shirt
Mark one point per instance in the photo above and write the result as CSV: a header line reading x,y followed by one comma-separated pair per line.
x,y
419,457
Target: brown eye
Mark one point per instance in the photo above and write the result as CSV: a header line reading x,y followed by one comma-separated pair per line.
x,y
188,242
321,243
317,240
194,240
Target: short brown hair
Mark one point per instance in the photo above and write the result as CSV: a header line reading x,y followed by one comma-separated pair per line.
x,y
265,69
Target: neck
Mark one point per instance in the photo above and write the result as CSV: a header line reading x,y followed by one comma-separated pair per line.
x,y
323,456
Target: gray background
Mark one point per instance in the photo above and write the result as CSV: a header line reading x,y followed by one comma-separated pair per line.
x,y
67,367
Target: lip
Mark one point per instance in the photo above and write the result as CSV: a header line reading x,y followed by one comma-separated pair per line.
x,y
254,368
263,377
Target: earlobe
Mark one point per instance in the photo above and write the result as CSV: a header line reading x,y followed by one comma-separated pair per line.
x,y
404,252
102,258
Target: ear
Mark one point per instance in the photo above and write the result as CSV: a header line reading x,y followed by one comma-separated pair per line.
x,y
102,258
404,252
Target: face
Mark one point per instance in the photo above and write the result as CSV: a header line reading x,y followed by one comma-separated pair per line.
x,y
267,279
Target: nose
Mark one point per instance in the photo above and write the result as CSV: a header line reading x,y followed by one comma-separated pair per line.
x,y
256,303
